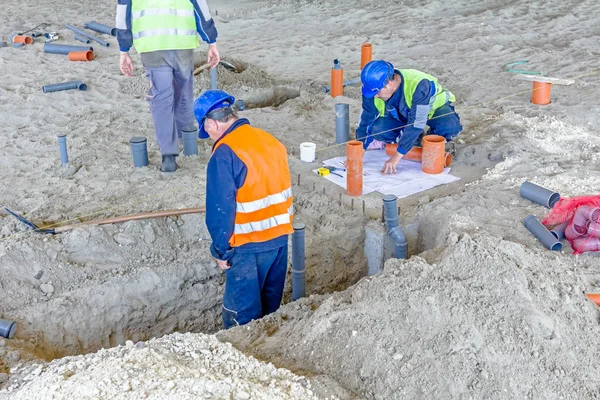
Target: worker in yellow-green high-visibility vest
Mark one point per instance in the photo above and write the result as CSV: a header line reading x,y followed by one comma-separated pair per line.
x,y
165,34
397,104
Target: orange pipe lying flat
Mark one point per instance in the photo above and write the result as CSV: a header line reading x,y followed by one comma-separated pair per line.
x,y
354,168
22,39
415,154
81,55
595,297
366,54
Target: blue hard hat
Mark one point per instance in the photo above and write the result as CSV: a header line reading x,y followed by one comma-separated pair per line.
x,y
374,76
208,101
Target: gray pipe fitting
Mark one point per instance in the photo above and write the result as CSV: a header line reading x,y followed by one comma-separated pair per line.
x,y
542,233
394,229
298,261
62,146
7,328
190,142
342,123
538,194
139,151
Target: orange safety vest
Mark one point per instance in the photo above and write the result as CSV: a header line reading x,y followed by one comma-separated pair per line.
x,y
264,202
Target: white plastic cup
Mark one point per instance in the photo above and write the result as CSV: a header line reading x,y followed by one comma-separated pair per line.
x,y
307,151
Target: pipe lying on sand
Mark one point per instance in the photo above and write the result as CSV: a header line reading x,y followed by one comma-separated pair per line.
x,y
394,229
298,261
87,35
64,86
538,194
542,233
65,49
559,230
101,28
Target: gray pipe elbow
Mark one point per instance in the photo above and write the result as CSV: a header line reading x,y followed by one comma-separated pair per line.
x,y
394,229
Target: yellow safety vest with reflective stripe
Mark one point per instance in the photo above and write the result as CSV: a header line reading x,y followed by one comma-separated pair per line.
x,y
264,203
411,78
163,25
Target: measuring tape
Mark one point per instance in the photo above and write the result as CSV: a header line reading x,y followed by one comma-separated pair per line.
x,y
323,171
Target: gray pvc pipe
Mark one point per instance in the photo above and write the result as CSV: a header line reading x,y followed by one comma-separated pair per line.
x,y
539,195
298,261
53,48
57,87
190,142
62,146
342,123
337,64
3,44
139,151
87,35
213,78
82,38
542,233
7,328
394,229
95,26
559,230
349,82
240,105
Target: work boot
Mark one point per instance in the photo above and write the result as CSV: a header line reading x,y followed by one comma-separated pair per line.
x,y
168,163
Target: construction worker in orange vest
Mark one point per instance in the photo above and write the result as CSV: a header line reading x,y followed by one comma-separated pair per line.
x,y
249,208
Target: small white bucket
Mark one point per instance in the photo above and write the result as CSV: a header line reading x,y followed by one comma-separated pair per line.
x,y
307,151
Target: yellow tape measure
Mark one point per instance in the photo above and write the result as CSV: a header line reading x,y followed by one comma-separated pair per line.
x,y
323,172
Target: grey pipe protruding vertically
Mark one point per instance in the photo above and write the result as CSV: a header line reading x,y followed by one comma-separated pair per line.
x,y
62,146
53,48
342,123
394,229
337,64
298,259
87,35
95,26
139,151
7,328
190,142
213,78
559,230
539,195
57,87
542,233
81,38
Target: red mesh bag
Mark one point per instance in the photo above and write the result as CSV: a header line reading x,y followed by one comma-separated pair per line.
x,y
583,215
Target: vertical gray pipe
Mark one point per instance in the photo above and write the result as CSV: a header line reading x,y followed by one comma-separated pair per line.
x,y
394,229
559,230
190,142
342,123
213,78
95,26
538,194
87,35
62,146
81,38
7,328
298,259
139,151
542,233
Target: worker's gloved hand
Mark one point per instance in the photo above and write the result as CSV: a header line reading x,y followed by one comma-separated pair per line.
x,y
223,264
126,64
389,167
213,55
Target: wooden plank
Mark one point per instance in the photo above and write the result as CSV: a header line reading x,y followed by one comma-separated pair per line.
x,y
547,79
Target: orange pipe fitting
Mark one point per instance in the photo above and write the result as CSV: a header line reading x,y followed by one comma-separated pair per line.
x,y
414,154
433,158
366,54
22,39
595,297
540,93
354,168
81,55
337,82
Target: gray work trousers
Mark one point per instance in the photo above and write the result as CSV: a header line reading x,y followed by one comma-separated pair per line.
x,y
171,95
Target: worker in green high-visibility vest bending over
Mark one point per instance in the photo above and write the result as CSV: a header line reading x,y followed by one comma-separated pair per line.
x,y
165,33
396,107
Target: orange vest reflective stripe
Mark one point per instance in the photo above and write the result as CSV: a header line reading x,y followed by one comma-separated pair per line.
x,y
264,202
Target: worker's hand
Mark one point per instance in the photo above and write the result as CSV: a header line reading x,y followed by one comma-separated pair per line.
x,y
126,64
224,265
213,55
389,167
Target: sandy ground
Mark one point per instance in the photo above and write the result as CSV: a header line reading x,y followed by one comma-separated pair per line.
x,y
484,311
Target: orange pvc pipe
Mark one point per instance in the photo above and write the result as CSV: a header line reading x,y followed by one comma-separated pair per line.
x,y
81,55
366,54
595,297
22,39
391,149
354,168
540,93
337,82
433,158
414,154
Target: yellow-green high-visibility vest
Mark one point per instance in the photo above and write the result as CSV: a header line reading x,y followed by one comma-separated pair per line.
x,y
411,78
163,25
